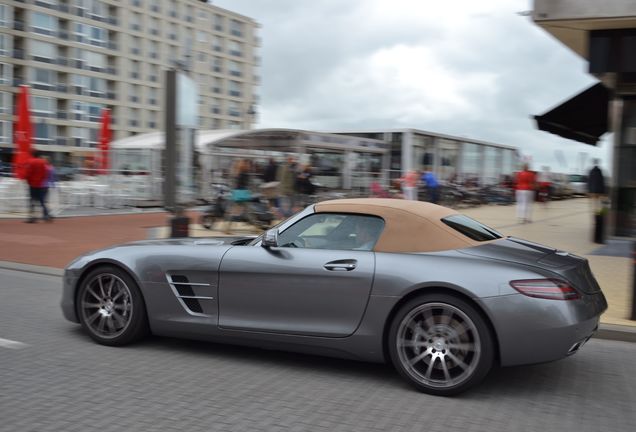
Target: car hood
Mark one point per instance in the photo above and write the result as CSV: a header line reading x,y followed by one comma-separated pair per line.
x,y
571,267
193,241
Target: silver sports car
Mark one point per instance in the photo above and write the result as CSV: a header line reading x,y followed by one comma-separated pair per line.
x,y
439,295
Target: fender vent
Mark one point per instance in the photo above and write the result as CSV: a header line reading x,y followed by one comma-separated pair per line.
x,y
184,291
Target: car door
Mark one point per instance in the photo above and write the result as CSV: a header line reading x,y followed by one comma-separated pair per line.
x,y
316,283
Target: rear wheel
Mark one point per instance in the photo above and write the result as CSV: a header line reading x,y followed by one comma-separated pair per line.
x,y
110,307
440,344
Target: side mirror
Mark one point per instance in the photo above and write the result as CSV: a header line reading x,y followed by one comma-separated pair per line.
x,y
270,239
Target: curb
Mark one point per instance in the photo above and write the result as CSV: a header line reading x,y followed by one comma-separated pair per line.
x,y
616,332
29,268
613,332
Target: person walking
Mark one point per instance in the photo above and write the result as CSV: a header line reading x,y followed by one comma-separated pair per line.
x,y
409,185
240,194
524,192
596,186
286,176
304,185
37,177
432,186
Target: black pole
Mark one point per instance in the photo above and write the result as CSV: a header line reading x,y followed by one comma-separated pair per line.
x,y
179,222
633,317
170,148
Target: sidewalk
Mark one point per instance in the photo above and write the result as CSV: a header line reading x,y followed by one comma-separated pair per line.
x,y
565,225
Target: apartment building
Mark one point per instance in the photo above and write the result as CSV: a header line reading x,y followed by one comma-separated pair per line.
x,y
79,56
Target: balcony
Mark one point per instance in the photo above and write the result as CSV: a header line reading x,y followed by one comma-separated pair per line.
x,y
111,95
62,88
133,123
112,20
18,25
61,141
218,27
234,93
18,54
154,32
63,34
134,75
135,27
111,70
112,45
62,115
237,33
134,99
236,73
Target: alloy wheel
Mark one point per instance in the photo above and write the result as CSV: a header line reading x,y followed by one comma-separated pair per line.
x,y
438,345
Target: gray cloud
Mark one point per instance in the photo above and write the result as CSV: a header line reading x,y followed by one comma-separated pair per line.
x,y
473,69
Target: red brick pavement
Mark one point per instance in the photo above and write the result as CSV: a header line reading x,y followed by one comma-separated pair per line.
x,y
56,244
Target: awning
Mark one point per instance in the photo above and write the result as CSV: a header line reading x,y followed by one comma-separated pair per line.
x,y
582,118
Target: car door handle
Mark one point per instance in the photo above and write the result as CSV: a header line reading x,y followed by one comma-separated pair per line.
x,y
341,265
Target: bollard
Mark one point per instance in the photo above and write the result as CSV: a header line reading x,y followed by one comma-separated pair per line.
x,y
633,317
179,226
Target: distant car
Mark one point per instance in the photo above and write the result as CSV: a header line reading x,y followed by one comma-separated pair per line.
x,y
441,296
578,184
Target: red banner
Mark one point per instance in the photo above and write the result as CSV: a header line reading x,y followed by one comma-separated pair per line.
x,y
23,134
104,142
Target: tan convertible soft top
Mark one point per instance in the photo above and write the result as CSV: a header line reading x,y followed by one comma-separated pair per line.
x,y
410,226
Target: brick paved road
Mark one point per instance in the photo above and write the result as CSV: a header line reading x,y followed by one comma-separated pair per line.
x,y
62,381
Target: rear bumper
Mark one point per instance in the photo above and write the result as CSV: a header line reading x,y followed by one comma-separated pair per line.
x,y
531,330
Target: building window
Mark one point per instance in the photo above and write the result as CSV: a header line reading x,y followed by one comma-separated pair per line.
x,y
5,131
5,102
42,132
203,15
96,61
201,36
43,23
42,51
4,45
236,48
235,89
135,22
44,79
234,109
5,16
79,137
5,73
236,28
235,69
42,106
201,56
218,22
217,64
96,8
217,45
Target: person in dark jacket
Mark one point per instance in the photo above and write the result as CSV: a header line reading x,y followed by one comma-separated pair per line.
x,y
270,171
596,186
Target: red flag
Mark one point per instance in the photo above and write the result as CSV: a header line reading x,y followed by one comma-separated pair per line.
x,y
104,141
23,134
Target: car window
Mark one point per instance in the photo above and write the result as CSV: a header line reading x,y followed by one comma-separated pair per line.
x,y
333,231
471,228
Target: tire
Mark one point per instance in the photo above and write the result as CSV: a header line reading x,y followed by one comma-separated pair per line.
x,y
440,344
110,307
207,221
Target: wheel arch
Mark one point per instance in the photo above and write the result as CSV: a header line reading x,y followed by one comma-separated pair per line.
x,y
438,289
105,263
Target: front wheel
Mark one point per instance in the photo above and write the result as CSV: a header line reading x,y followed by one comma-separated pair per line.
x,y
110,307
440,344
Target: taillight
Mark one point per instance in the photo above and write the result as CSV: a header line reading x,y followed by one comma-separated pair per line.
x,y
553,289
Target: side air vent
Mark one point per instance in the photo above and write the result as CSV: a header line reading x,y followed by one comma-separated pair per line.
x,y
184,291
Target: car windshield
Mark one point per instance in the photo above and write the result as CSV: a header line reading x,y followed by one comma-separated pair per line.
x,y
471,228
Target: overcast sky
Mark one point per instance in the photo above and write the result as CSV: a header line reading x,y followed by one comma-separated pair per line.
x,y
468,68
